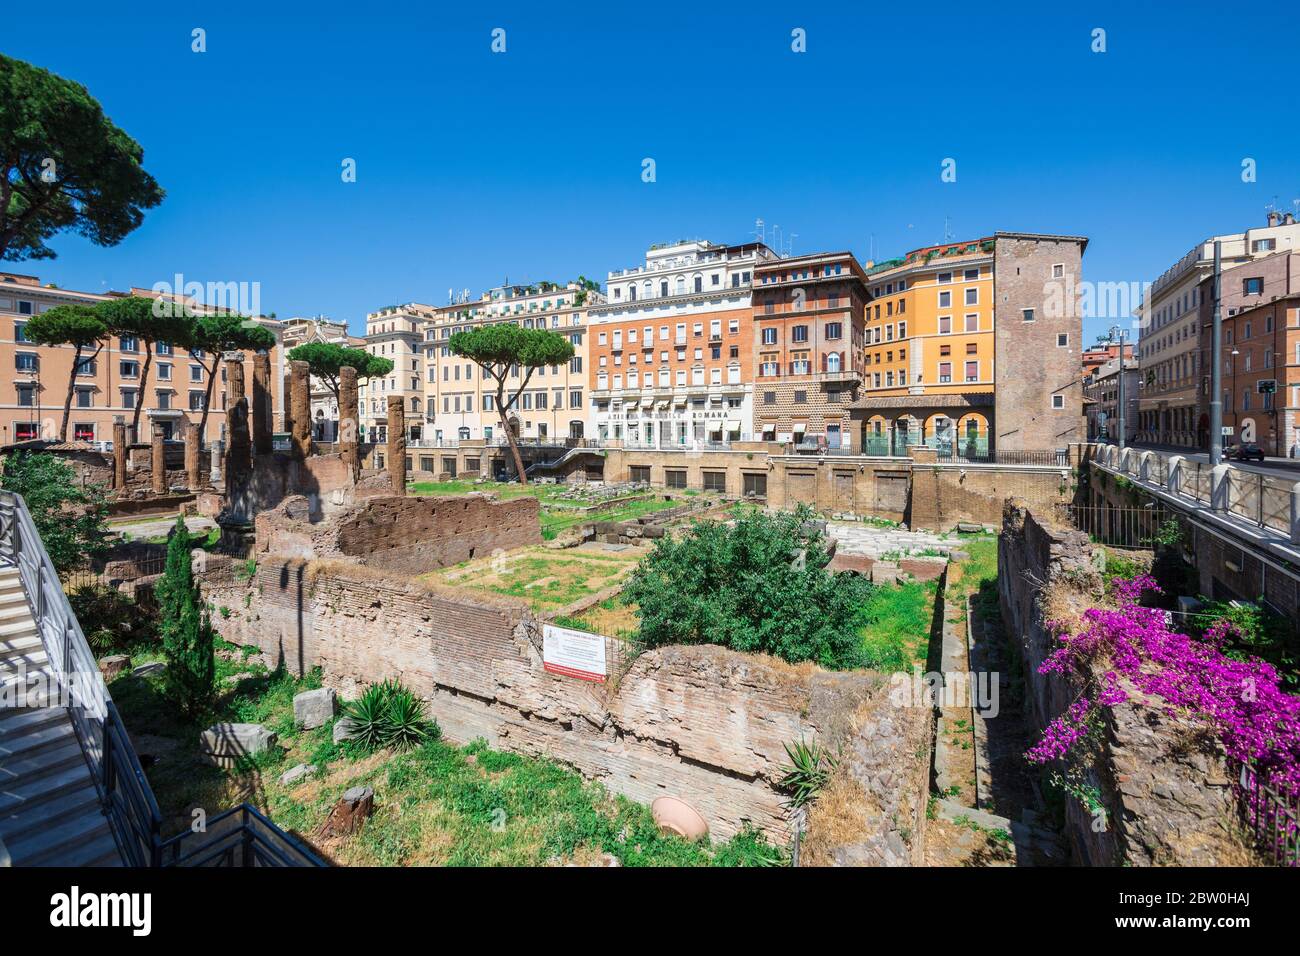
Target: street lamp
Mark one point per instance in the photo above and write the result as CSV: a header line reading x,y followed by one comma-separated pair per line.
x,y
1117,332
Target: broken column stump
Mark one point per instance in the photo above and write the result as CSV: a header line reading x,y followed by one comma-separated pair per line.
x,y
347,816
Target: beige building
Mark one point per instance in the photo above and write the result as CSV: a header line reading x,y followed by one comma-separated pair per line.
x,y
460,401
1169,341
109,386
324,403
396,333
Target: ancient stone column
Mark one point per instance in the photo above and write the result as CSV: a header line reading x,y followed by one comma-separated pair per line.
x,y
192,477
262,403
300,408
237,444
397,443
119,456
286,388
234,377
158,460
349,420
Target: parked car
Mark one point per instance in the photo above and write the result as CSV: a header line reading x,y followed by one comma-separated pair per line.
x,y
1247,451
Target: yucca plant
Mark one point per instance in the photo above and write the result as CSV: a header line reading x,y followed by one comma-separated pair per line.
x,y
387,715
810,767
404,722
367,715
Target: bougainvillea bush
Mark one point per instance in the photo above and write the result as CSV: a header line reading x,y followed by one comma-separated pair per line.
x,y
1241,701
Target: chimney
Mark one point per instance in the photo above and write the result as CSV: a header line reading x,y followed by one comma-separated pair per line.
x,y
1274,218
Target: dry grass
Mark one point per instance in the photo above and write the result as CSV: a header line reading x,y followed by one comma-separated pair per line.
x,y
843,814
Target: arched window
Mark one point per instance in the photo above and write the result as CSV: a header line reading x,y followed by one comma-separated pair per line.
x,y
681,285
833,362
663,288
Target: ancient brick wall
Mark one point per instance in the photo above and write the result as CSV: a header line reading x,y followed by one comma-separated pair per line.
x,y
946,495
702,723
1163,781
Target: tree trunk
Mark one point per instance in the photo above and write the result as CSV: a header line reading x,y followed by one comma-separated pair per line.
x,y
139,398
510,433
67,401
207,399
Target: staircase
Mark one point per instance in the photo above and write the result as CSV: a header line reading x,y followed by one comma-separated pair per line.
x,y
51,813
50,810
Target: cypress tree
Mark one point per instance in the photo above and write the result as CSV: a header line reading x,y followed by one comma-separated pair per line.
x,y
187,633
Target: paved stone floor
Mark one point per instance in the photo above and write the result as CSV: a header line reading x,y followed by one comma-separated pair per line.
x,y
856,537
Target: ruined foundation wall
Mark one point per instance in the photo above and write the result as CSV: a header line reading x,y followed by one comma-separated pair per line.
x,y
1163,780
702,723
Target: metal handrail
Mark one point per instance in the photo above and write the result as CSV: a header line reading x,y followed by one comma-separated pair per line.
x,y
123,789
124,792
261,842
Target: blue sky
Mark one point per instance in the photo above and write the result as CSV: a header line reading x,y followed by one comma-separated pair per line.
x,y
473,166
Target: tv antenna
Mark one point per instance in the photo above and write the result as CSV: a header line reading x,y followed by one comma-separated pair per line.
x,y
760,231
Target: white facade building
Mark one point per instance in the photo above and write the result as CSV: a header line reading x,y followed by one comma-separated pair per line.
x,y
671,349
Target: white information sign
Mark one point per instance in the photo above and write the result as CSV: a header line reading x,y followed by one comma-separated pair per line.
x,y
573,653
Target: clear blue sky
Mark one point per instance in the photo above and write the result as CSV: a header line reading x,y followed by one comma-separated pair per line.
x,y
474,166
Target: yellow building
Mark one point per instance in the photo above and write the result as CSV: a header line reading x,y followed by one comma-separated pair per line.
x,y
929,353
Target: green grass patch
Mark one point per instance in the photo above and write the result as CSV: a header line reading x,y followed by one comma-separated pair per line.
x,y
896,623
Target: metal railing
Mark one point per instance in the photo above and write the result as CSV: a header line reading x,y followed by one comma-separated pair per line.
x,y
1272,816
1131,528
124,792
1256,497
238,837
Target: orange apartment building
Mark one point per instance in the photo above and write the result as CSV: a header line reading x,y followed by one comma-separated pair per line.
x,y
671,348
809,340
974,347
107,390
930,349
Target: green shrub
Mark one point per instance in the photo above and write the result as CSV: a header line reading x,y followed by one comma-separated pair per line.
x,y
757,584
111,620
389,715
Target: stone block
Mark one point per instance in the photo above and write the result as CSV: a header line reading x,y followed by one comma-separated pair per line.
x,y
113,665
313,708
342,730
297,774
224,744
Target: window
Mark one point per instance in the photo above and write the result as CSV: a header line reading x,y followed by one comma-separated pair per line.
x,y
1062,340
972,296
1263,245
1058,270
164,372
85,398
945,324
26,395
945,371
800,396
26,431
715,481
1027,314
1254,286
945,299
26,362
755,484
674,478
972,322
20,331
1058,401
798,334
196,401
128,343
640,474
972,371
769,336
834,330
